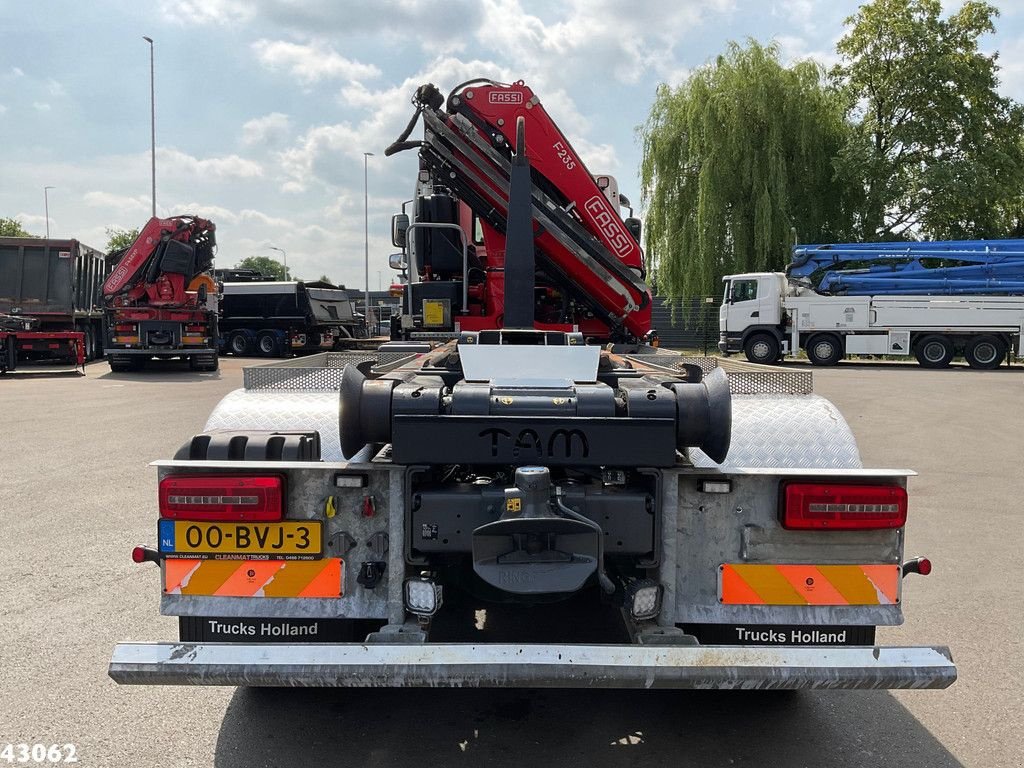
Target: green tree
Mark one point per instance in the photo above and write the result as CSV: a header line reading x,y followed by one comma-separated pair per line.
x,y
737,158
12,228
937,147
325,279
263,264
118,239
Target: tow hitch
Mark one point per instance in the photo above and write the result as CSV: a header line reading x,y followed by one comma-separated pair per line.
x,y
533,550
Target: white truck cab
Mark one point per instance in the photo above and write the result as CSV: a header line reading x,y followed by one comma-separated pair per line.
x,y
766,316
751,317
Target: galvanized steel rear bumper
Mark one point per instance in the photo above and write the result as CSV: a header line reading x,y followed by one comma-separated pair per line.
x,y
528,666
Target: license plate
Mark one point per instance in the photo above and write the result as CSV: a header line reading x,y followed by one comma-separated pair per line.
x,y
778,584
291,540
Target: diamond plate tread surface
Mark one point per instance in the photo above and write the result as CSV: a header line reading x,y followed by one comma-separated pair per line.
x,y
244,410
786,431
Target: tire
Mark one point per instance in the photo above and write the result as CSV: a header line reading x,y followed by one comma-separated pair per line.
x,y
240,344
761,348
824,349
90,344
126,363
934,351
204,363
267,344
985,352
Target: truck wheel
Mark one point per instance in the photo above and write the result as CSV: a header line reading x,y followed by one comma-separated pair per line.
x,y
90,344
126,363
240,344
934,351
985,352
824,349
203,363
267,344
761,348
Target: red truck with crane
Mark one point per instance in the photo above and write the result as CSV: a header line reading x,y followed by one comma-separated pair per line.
x,y
589,269
517,506
160,300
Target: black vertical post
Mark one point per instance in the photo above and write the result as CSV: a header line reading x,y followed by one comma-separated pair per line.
x,y
520,267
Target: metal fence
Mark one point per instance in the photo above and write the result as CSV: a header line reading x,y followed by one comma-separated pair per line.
x,y
686,323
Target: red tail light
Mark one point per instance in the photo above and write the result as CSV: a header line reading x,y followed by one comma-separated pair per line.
x,y
819,506
124,327
222,497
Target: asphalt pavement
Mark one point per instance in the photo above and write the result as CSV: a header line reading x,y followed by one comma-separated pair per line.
x,y
76,494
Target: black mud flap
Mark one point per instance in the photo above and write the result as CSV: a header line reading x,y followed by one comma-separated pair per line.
x,y
536,555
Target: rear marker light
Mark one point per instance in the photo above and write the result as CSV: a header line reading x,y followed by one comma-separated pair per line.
x,y
919,565
716,486
142,554
821,506
350,481
222,497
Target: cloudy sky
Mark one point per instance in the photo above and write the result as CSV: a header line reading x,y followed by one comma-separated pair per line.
x,y
265,107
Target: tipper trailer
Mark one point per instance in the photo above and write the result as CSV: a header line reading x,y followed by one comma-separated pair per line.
x,y
276,318
519,508
51,301
933,300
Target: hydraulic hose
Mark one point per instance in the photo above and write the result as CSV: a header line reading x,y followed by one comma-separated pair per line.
x,y
607,585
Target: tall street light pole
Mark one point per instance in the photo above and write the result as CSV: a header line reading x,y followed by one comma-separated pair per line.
x,y
284,256
152,119
46,203
366,237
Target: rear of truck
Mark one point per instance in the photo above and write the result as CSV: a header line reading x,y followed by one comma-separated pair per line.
x,y
160,299
458,518
49,301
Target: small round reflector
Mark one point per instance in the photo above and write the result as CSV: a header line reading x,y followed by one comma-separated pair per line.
x,y
139,554
924,566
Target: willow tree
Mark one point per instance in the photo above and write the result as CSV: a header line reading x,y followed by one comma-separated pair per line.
x,y
737,160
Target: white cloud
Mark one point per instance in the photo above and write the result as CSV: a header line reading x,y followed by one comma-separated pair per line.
x,y
17,72
177,163
330,153
122,203
206,11
599,158
268,130
55,88
41,106
311,62
34,223
593,40
2,109
1011,73
218,214
436,26
793,49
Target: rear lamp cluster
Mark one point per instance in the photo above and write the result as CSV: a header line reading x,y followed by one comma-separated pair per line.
x,y
825,506
222,497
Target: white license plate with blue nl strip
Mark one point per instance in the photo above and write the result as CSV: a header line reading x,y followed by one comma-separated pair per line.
x,y
286,540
